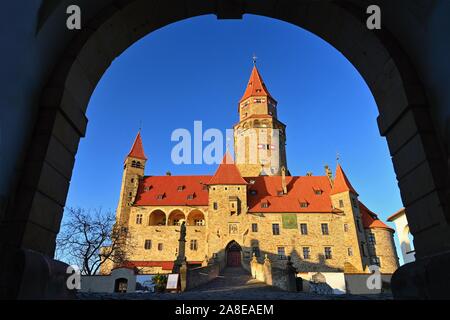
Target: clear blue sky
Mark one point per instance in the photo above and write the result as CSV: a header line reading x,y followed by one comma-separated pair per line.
x,y
197,69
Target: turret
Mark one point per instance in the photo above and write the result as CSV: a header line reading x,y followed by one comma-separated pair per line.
x,y
133,172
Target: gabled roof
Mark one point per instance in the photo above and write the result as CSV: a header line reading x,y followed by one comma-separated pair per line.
x,y
370,219
255,86
341,183
137,150
227,172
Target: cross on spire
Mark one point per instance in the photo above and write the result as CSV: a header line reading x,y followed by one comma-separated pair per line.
x,y
254,58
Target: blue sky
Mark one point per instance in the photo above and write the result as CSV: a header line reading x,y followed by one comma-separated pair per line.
x,y
197,69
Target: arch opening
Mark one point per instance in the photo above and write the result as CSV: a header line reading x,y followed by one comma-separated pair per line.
x,y
157,218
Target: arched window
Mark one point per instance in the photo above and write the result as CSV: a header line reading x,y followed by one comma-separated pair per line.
x,y
196,218
176,218
157,218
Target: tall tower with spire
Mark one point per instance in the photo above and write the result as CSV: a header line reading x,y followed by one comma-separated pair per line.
x,y
133,172
259,137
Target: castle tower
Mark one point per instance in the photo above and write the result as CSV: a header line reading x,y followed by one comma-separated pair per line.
x,y
345,198
133,171
259,137
380,242
227,198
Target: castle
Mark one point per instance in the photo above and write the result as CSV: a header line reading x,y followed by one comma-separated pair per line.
x,y
251,207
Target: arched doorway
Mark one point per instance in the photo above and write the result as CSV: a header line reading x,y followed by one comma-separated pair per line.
x,y
121,285
233,254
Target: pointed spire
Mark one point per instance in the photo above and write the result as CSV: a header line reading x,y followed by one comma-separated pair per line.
x,y
137,150
227,172
341,183
255,86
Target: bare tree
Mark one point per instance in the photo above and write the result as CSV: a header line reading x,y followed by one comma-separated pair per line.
x,y
90,239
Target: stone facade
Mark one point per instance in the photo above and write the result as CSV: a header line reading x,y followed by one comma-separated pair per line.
x,y
246,209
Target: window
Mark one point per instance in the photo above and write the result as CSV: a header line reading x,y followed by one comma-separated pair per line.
x,y
350,252
132,180
303,204
318,192
160,246
148,244
176,222
255,251
215,205
275,229
371,238
303,228
306,253
190,196
345,227
139,219
160,196
281,253
325,230
264,205
253,192
254,227
341,203
199,222
180,188
327,252
375,261
194,245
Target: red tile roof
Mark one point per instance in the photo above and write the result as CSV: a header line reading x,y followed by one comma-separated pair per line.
x,y
227,172
370,219
255,86
341,183
137,150
299,189
152,186
397,214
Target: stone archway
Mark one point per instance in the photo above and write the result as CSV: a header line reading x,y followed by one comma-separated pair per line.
x,y
32,218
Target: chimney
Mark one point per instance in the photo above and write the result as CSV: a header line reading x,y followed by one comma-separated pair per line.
x,y
329,174
283,180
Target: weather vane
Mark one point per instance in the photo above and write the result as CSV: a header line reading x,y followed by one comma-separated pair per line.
x,y
254,58
337,157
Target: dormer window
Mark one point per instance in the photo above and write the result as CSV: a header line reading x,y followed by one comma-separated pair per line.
x,y
303,204
318,192
264,204
160,196
191,196
253,192
180,188
280,193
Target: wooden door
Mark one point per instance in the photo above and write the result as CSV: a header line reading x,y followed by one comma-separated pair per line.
x,y
234,259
